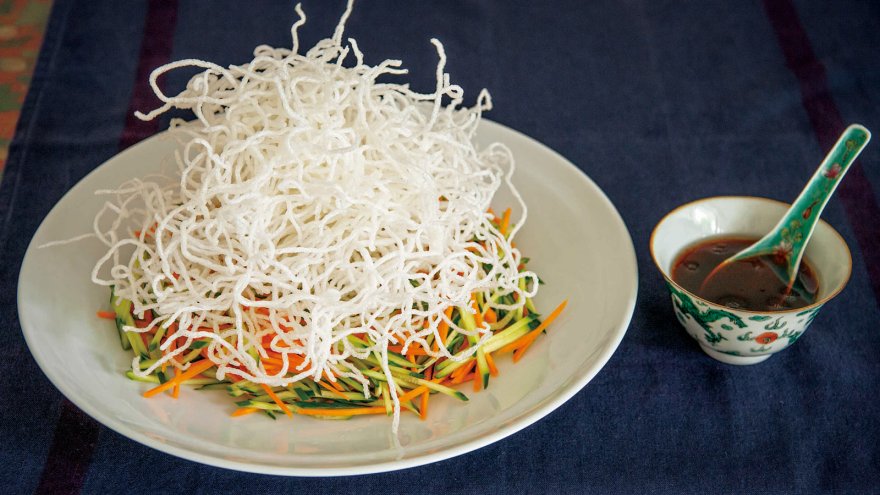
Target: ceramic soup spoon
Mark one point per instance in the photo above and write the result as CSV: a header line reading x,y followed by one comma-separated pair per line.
x,y
785,243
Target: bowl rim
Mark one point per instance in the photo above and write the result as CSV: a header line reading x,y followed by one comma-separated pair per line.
x,y
818,303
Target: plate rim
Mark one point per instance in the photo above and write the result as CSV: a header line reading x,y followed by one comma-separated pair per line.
x,y
524,420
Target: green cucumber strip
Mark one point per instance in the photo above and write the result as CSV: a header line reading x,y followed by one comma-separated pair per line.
x,y
483,367
267,406
509,334
466,319
446,367
386,397
531,306
200,382
122,308
330,418
433,386
216,384
191,355
519,309
375,361
495,342
503,322
146,363
146,379
352,384
156,340
123,339
281,395
350,396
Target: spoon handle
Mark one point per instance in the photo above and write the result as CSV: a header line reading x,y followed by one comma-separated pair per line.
x,y
788,239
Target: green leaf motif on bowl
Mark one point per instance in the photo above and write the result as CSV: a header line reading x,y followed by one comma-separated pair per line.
x,y
791,335
760,318
704,316
779,324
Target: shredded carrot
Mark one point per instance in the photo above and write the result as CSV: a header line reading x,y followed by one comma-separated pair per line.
x,y
478,316
493,370
505,222
243,411
443,327
530,337
490,316
423,406
334,391
412,394
175,392
107,315
411,357
332,383
478,382
194,369
275,398
458,375
463,379
414,350
355,411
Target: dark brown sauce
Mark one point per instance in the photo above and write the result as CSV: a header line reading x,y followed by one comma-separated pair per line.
x,y
750,284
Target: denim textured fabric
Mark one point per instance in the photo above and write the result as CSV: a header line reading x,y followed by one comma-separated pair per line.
x,y
658,102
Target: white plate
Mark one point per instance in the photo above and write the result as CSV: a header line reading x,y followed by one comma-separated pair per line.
x,y
577,243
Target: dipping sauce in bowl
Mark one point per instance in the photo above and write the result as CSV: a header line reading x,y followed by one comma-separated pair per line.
x,y
749,284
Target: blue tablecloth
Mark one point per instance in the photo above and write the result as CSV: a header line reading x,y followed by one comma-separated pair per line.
x,y
659,102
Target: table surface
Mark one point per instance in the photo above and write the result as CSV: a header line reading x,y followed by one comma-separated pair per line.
x,y
658,102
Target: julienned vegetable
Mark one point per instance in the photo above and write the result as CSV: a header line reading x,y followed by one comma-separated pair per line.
x,y
325,233
415,373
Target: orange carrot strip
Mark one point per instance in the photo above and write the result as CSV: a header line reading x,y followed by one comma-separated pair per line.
x,y
332,383
505,222
478,383
274,397
443,327
478,317
243,411
107,315
423,407
332,390
463,379
493,370
411,351
530,337
464,370
194,369
175,392
412,394
355,411
491,317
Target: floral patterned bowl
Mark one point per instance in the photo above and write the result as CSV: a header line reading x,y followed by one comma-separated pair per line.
x,y
737,336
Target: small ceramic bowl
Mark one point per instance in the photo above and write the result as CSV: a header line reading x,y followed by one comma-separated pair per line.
x,y
737,336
